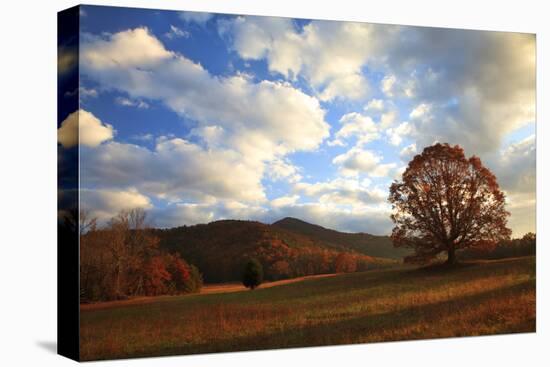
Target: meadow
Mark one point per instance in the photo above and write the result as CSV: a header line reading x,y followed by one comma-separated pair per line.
x,y
400,303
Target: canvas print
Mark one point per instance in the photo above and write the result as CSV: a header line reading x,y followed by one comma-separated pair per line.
x,y
239,182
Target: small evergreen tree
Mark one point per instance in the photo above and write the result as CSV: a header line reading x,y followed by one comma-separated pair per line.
x,y
253,274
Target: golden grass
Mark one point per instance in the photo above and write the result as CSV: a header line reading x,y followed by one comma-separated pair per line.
x,y
382,305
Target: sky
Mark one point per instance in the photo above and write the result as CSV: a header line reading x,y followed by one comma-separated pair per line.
x,y
197,117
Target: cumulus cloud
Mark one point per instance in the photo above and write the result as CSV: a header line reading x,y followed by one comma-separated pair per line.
x,y
82,92
462,87
516,167
188,89
342,191
190,213
328,54
195,17
358,160
523,208
356,126
235,142
82,126
280,169
479,86
127,102
408,152
133,48
176,32
105,204
374,105
397,134
175,170
185,214
284,200
373,219
386,85
420,111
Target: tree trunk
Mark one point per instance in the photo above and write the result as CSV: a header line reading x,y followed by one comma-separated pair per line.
x,y
451,256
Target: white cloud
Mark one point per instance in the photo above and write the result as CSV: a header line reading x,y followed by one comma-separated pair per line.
x,y
143,137
375,105
408,152
356,126
105,204
185,213
127,102
188,89
397,134
358,160
387,119
353,86
464,87
343,191
176,32
523,209
280,169
190,213
470,87
329,55
420,111
239,141
126,49
83,126
516,169
82,92
284,200
386,85
196,17
176,170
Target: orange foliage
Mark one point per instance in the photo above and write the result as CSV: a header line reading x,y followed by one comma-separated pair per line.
x,y
345,263
445,203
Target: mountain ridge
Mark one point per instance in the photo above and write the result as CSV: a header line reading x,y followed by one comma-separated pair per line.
x,y
366,243
289,247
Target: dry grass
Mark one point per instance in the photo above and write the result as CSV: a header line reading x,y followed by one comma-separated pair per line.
x,y
482,298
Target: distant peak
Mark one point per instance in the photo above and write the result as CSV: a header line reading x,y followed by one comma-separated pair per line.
x,y
289,220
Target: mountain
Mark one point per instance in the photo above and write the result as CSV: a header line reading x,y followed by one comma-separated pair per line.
x,y
368,244
221,248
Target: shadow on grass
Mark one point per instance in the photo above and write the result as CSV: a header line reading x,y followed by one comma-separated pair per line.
x,y
366,328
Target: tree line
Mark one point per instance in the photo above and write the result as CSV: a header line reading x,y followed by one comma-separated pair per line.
x,y
123,259
516,247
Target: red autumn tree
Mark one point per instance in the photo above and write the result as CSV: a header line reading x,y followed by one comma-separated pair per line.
x,y
447,202
345,263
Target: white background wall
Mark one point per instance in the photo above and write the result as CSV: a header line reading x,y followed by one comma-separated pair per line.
x,y
28,183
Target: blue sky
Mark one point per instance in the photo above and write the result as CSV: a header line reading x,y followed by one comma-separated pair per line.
x,y
197,117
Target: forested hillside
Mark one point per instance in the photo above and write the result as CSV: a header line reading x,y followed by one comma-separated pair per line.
x,y
377,246
220,249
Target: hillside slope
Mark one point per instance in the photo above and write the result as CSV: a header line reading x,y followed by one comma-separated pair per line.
x,y
221,248
376,246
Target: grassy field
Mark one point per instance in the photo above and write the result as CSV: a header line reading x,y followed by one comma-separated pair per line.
x,y
478,298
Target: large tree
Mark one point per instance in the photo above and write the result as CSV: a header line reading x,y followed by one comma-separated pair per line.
x,y
447,202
